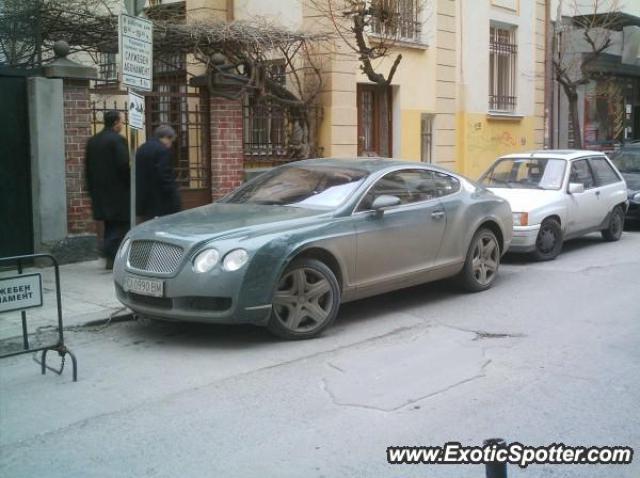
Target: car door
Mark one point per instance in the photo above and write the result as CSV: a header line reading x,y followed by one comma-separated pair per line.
x,y
610,188
583,209
404,239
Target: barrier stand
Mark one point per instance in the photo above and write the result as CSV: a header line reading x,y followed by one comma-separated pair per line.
x,y
24,291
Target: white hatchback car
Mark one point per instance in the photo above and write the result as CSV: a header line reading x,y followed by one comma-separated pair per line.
x,y
557,195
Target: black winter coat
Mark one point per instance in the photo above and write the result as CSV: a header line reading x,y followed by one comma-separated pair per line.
x,y
107,172
156,188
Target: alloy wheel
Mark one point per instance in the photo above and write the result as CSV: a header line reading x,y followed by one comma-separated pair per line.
x,y
485,259
303,300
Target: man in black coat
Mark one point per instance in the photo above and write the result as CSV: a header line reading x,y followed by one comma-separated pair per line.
x,y
156,188
107,168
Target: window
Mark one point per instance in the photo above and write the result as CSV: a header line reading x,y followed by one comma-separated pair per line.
x,y
265,121
426,136
411,186
603,172
581,173
526,173
396,18
503,52
107,69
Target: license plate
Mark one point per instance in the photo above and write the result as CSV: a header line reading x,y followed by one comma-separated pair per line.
x,y
152,287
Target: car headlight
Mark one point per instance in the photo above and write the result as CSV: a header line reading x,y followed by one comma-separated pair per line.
x,y
235,260
124,247
205,260
520,219
636,197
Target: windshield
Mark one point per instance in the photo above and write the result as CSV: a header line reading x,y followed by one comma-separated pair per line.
x,y
529,173
304,186
627,160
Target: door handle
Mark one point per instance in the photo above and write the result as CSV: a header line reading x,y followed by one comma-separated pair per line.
x,y
597,193
437,214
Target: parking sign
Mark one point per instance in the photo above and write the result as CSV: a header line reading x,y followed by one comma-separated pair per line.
x,y
136,52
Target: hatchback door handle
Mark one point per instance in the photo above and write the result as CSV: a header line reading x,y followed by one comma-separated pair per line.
x,y
437,214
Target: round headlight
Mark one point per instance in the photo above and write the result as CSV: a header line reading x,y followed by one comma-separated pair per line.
x,y
124,247
235,260
636,197
205,260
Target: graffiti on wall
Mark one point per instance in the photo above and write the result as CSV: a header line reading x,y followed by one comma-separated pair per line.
x,y
482,139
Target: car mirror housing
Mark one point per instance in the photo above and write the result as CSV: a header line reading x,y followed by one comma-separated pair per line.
x,y
384,201
576,188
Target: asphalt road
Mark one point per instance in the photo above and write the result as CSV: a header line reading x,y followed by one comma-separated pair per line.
x,y
550,354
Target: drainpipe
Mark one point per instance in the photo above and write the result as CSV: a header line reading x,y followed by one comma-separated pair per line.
x,y
548,84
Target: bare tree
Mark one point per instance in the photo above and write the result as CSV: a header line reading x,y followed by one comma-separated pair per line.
x,y
371,29
572,66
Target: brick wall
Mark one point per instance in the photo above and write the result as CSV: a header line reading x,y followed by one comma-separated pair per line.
x,y
77,129
227,160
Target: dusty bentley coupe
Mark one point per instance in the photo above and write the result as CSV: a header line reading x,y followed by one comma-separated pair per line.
x,y
287,248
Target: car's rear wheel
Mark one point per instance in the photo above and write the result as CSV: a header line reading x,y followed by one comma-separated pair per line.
x,y
306,300
549,241
482,262
616,223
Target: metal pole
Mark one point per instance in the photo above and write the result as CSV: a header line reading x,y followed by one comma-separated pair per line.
x,y
495,470
23,316
133,141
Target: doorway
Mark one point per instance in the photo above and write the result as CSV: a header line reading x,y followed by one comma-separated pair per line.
x,y
374,105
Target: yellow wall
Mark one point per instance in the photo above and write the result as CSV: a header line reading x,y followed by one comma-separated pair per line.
x,y
410,134
481,140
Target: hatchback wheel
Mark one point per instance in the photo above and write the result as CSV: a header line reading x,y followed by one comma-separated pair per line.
x,y
616,224
482,262
549,241
306,300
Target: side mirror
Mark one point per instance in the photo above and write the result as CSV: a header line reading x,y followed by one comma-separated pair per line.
x,y
383,202
576,188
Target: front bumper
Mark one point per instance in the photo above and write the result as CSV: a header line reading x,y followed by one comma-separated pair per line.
x,y
633,212
524,238
213,297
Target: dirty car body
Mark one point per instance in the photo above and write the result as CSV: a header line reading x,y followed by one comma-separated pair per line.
x,y
422,234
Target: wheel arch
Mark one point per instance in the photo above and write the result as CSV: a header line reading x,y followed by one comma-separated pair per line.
x,y
320,254
494,227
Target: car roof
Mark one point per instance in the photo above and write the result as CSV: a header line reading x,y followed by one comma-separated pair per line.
x,y
566,154
368,164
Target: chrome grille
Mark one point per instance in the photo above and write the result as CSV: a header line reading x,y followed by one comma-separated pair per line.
x,y
154,256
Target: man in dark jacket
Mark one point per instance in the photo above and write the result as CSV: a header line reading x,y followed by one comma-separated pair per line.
x,y
107,168
156,188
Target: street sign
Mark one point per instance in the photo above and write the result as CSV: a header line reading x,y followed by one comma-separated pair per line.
x,y
136,110
20,292
136,52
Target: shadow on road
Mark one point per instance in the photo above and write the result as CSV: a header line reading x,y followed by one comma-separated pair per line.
x,y
248,336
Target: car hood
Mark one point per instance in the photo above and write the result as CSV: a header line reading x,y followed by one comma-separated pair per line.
x,y
632,180
525,200
221,220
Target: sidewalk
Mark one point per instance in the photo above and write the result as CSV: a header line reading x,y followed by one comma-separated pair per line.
x,y
88,295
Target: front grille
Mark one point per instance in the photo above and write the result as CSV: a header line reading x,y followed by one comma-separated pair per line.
x,y
154,256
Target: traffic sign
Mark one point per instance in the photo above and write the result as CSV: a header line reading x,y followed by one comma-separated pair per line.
x,y
136,110
136,52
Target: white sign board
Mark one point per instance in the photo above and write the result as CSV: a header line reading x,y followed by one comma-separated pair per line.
x,y
136,52
136,110
20,292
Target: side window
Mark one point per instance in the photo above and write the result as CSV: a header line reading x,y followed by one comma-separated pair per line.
x,y
603,172
581,173
411,185
445,184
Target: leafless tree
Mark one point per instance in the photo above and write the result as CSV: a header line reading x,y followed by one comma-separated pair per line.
x,y
238,55
580,39
371,29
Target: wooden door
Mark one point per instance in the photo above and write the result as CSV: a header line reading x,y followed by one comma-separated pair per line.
x,y
374,120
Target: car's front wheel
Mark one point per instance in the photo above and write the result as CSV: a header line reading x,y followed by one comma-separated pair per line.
x,y
616,222
549,241
306,300
482,262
